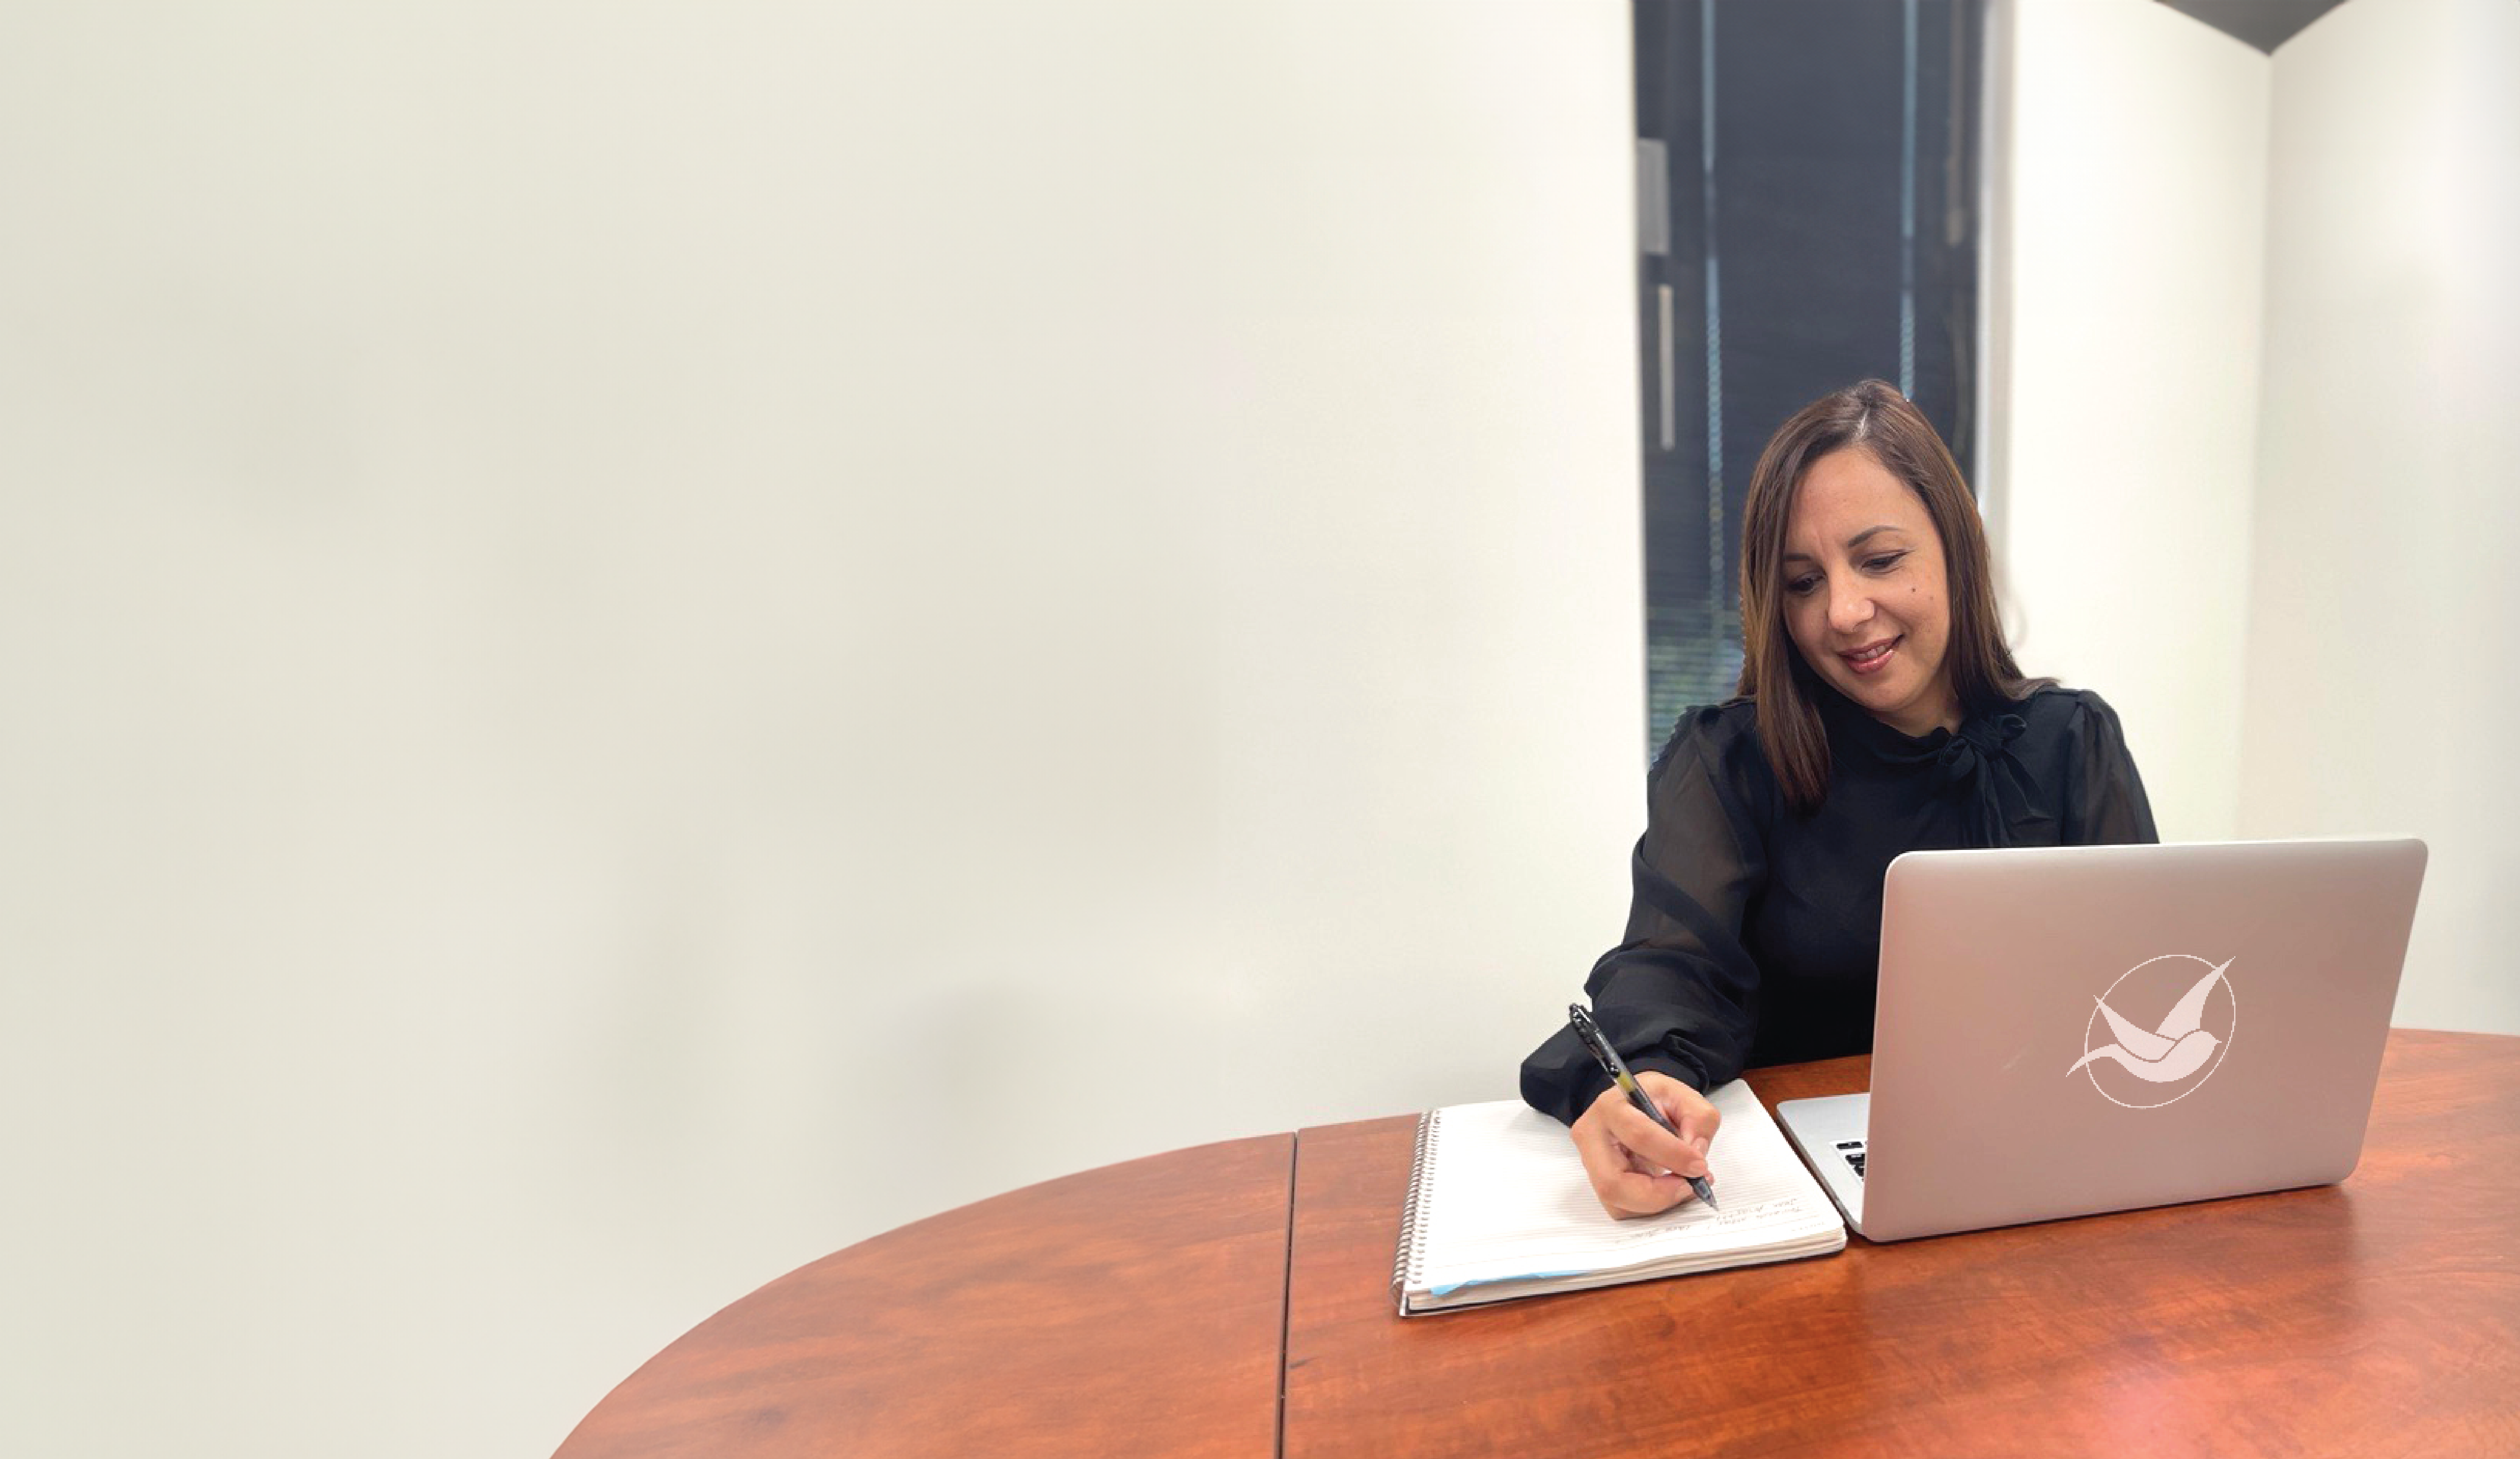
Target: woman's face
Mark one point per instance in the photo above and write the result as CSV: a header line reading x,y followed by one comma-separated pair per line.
x,y
1866,599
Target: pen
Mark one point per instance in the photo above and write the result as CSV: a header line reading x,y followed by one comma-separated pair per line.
x,y
1617,1069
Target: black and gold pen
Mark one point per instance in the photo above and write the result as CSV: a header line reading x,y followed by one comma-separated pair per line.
x,y
1617,1069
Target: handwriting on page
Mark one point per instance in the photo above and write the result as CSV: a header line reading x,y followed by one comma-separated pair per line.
x,y
1763,1211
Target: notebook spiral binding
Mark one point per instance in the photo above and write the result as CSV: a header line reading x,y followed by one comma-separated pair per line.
x,y
1411,1254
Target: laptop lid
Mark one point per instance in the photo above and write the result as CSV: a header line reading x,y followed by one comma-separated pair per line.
x,y
2066,1030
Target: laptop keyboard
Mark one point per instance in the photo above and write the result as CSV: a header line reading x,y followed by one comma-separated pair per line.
x,y
1852,1152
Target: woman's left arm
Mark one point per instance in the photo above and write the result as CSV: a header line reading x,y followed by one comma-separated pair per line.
x,y
2105,799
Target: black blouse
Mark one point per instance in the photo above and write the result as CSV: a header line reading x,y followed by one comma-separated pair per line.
x,y
1755,934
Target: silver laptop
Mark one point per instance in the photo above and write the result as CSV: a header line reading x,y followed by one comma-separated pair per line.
x,y
2066,1030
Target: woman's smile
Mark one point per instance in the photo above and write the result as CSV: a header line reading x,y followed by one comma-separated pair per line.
x,y
1871,659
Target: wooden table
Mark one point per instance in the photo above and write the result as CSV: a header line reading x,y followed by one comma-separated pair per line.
x,y
1235,1301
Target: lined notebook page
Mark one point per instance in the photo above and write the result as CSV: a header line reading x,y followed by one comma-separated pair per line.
x,y
1505,1198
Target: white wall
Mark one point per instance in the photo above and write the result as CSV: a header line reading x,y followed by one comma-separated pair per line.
x,y
2123,476
2380,695
601,606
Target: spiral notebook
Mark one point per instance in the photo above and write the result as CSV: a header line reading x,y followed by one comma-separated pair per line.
x,y
1498,1207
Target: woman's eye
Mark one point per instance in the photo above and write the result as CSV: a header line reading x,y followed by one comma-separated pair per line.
x,y
1884,562
1801,586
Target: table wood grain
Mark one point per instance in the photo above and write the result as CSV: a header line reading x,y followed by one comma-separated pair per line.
x,y
1154,1308
1134,1309
2377,1317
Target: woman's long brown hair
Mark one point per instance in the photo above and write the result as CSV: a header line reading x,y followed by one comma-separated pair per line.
x,y
1872,417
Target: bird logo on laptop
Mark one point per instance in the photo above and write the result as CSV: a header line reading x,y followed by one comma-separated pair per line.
x,y
2175,1049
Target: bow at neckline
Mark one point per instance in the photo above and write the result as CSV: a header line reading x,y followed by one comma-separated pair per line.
x,y
1975,763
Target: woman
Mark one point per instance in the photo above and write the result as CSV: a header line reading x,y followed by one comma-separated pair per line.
x,y
1878,712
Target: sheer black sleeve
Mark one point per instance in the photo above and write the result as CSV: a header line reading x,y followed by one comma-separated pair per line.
x,y
2105,799
1679,994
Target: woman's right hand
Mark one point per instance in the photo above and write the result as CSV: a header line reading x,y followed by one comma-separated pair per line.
x,y
1636,1165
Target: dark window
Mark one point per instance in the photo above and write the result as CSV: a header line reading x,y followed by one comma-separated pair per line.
x,y
1807,201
